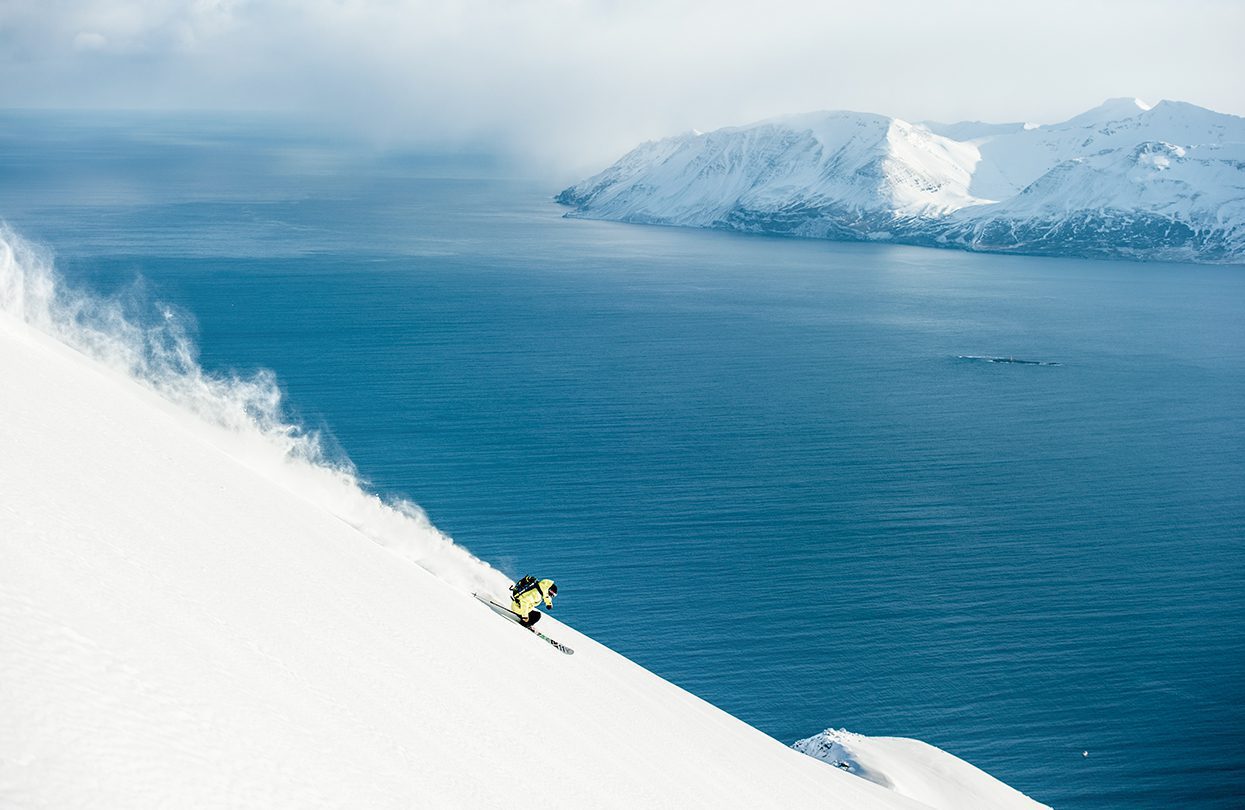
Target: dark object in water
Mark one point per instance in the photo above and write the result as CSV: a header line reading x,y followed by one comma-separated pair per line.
x,y
1014,360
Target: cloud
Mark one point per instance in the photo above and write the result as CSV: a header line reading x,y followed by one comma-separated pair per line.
x,y
89,41
576,82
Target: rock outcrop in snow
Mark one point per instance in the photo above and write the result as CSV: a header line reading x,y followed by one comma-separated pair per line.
x,y
915,769
1123,179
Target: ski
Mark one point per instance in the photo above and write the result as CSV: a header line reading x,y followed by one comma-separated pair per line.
x,y
557,645
507,613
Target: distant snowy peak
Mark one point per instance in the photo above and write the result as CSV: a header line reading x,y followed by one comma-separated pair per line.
x,y
1013,160
1113,109
1122,179
855,161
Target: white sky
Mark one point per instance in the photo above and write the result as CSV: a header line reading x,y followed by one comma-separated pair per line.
x,y
575,82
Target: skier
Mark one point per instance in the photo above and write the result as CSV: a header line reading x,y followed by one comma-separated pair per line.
x,y
526,594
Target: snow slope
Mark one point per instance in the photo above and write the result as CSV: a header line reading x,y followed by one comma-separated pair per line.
x,y
195,611
1079,187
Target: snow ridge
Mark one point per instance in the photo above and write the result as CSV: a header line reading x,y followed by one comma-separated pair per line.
x,y
1121,180
150,343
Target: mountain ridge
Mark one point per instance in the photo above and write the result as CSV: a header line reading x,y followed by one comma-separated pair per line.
x,y
1079,187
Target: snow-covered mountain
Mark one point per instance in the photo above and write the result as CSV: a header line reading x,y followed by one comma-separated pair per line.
x,y
1123,179
196,612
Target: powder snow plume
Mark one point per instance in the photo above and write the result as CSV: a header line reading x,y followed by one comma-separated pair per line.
x,y
243,415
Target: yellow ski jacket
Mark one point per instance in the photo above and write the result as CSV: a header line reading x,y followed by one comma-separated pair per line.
x,y
524,602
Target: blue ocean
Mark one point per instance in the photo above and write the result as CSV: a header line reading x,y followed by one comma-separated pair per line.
x,y
994,503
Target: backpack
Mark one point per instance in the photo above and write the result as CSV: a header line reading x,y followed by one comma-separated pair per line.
x,y
522,586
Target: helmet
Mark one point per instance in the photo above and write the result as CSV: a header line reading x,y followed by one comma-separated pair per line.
x,y
553,590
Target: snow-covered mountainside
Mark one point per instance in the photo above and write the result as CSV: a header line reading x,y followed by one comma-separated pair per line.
x,y
197,611
1123,179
